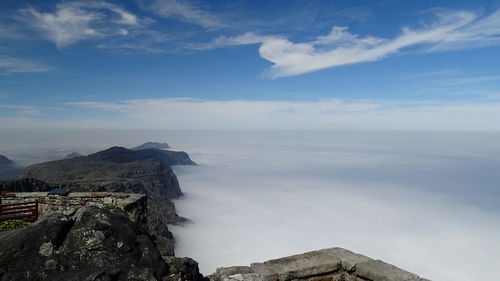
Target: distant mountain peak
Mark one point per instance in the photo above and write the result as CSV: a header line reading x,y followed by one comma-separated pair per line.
x,y
72,155
120,154
4,161
150,144
8,168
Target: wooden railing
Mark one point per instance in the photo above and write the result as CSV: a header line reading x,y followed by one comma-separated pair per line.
x,y
23,211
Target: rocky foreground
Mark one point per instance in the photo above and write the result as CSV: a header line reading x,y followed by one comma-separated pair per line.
x,y
93,244
335,264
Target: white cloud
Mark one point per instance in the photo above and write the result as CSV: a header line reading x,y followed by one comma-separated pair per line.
x,y
247,38
403,197
452,30
75,21
341,47
324,114
16,65
482,32
187,12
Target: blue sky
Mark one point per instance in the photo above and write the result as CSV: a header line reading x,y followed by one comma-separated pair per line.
x,y
250,64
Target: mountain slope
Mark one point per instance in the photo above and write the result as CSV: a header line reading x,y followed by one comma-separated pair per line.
x,y
118,169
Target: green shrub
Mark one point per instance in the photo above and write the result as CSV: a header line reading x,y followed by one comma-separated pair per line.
x,y
110,206
12,225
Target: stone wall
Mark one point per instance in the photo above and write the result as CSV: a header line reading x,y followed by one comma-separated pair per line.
x,y
133,204
335,264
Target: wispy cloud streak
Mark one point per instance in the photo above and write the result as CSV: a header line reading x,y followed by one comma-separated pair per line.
x,y
451,30
10,65
187,12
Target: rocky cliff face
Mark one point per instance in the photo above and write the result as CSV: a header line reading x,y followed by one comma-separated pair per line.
x,y
118,169
93,244
335,264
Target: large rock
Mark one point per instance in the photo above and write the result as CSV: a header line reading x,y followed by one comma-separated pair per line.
x,y
183,269
93,244
335,264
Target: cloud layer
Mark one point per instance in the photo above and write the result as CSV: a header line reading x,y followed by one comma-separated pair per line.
x,y
323,114
409,198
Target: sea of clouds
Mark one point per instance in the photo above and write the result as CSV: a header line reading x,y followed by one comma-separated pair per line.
x,y
427,202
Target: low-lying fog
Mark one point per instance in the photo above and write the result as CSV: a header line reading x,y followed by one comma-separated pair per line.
x,y
427,202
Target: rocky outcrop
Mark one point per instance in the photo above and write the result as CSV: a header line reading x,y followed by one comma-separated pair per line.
x,y
8,169
157,145
92,244
118,169
183,269
334,264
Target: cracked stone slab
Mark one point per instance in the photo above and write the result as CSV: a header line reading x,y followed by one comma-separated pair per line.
x,y
377,270
333,264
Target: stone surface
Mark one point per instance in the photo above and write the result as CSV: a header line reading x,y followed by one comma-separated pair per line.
x,y
377,270
135,205
334,264
93,244
183,269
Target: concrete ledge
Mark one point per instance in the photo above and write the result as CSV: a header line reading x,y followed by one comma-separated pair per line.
x,y
132,203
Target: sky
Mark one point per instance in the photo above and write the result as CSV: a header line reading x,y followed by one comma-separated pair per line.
x,y
184,64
